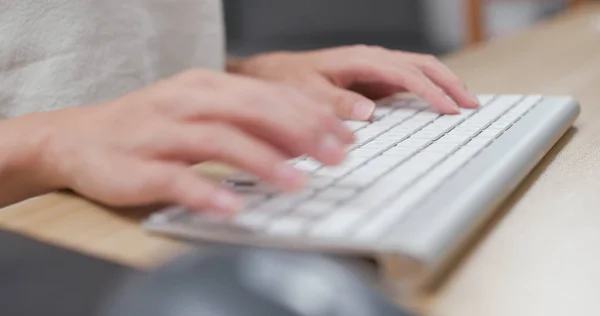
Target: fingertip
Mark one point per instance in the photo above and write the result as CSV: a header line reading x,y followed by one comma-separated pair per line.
x,y
330,151
469,101
362,110
449,106
344,133
449,109
226,201
289,178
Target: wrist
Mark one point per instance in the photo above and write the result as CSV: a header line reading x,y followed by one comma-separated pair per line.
x,y
24,154
234,64
256,64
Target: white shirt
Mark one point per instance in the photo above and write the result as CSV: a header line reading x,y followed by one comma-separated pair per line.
x,y
64,53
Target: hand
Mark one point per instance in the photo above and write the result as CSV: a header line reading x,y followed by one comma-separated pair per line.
x,y
136,149
348,76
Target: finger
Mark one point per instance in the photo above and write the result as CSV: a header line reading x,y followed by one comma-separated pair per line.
x,y
418,83
376,91
126,181
227,144
348,105
412,79
447,80
180,185
279,115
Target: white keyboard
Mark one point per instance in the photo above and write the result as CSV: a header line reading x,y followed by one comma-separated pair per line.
x,y
413,185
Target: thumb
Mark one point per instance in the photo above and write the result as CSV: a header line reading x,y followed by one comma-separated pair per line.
x,y
347,104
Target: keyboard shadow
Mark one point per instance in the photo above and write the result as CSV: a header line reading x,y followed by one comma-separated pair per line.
x,y
504,208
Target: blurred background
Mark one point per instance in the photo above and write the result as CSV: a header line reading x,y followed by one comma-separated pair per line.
x,y
427,26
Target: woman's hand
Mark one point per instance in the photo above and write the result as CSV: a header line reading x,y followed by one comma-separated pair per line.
x,y
349,77
136,149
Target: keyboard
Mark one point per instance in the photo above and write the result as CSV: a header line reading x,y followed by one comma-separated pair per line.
x,y
415,185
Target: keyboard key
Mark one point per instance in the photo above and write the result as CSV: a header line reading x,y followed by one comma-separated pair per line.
x,y
309,165
402,105
317,182
311,213
287,226
252,220
485,99
480,141
429,134
296,160
377,225
318,205
431,158
441,147
416,143
355,181
336,194
467,152
491,132
254,199
368,173
385,161
336,225
465,130
454,139
279,204
247,183
355,125
334,172
381,112
388,186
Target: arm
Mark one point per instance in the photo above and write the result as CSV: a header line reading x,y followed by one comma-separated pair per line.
x,y
135,150
21,145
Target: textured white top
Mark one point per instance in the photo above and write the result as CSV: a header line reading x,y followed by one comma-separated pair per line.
x,y
64,53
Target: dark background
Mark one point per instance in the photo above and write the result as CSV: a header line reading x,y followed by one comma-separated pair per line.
x,y
255,26
260,25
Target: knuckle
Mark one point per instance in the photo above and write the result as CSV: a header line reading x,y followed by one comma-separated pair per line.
x,y
433,93
259,96
360,48
281,91
158,183
198,77
325,117
166,96
362,63
377,48
193,75
302,133
411,76
455,82
430,61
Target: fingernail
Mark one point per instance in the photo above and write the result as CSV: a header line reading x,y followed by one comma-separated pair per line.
x,y
363,110
475,99
453,105
289,177
344,134
227,202
330,151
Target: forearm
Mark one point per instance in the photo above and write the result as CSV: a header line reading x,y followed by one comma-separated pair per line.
x,y
21,146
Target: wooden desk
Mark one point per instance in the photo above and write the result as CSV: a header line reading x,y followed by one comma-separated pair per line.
x,y
542,254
